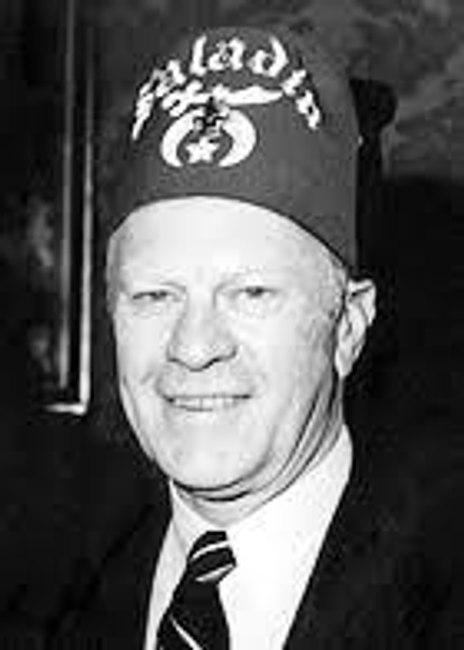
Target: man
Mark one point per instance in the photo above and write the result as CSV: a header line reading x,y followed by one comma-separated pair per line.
x,y
234,332
238,315
235,328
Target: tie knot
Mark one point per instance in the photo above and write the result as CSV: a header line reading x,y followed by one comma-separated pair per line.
x,y
210,558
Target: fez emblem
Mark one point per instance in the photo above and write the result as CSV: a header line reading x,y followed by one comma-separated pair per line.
x,y
218,131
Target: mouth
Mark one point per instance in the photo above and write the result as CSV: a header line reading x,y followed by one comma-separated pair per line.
x,y
206,403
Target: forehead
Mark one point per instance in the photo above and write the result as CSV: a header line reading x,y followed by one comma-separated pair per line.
x,y
214,233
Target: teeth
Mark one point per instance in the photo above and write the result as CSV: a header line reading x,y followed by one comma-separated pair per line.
x,y
205,403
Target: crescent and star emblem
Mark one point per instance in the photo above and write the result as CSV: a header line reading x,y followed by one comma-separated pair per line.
x,y
202,131
207,138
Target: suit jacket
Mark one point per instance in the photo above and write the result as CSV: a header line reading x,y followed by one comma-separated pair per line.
x,y
390,574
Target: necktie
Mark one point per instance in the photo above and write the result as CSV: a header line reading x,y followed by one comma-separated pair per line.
x,y
195,619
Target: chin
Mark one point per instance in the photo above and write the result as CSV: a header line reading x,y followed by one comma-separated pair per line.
x,y
206,477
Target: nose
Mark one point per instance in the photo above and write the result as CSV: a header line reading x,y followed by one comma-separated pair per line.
x,y
200,338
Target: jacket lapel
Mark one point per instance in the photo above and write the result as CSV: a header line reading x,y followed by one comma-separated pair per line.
x,y
113,609
129,587
344,568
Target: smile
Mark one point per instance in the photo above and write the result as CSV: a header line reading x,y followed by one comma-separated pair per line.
x,y
206,402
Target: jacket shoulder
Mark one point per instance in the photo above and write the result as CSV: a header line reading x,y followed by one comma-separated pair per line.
x,y
68,497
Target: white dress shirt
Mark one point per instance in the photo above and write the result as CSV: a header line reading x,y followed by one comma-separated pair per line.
x,y
276,548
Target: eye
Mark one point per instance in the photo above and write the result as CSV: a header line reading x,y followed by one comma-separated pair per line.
x,y
156,295
156,299
254,299
257,292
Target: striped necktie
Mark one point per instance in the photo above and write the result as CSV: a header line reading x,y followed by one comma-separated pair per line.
x,y
195,619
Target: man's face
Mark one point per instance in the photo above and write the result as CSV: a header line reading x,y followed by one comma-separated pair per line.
x,y
224,318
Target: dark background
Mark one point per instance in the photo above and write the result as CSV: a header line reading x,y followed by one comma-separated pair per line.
x,y
412,230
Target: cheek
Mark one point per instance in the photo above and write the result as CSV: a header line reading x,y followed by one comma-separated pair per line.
x,y
292,357
139,360
298,375
315,346
139,348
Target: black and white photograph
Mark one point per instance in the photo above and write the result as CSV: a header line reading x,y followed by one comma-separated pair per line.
x,y
232,325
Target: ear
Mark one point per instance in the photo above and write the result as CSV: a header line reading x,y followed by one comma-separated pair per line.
x,y
357,316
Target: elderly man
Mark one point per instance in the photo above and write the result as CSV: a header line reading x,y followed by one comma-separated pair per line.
x,y
238,315
236,319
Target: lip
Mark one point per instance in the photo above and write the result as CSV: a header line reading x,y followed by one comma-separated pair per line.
x,y
206,403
